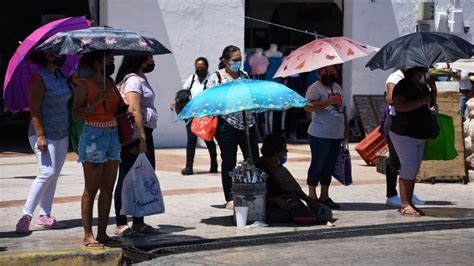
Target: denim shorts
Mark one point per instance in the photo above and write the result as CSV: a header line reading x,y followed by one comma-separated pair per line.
x,y
99,145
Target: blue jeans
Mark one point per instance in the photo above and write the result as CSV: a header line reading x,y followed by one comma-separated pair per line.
x,y
323,160
229,138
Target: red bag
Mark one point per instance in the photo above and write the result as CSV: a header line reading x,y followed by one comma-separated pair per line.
x,y
126,128
204,127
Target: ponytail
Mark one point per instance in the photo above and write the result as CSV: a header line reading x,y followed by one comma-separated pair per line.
x,y
221,63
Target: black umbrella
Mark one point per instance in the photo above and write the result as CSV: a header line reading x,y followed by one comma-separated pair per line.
x,y
121,42
421,49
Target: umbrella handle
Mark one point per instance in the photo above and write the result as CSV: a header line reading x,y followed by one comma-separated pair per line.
x,y
105,84
247,136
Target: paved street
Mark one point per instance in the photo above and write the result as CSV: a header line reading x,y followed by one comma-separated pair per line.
x,y
448,247
194,208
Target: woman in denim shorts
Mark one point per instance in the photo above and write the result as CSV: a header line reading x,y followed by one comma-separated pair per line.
x,y
99,145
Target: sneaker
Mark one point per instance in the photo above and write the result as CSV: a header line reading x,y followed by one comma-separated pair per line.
x,y
23,225
49,222
394,201
417,201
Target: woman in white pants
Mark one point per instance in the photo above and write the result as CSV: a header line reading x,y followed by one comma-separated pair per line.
x,y
410,128
48,135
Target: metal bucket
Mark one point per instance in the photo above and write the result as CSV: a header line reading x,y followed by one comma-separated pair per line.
x,y
253,196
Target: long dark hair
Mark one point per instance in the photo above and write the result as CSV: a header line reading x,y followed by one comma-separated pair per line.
x,y
226,54
130,64
38,58
89,59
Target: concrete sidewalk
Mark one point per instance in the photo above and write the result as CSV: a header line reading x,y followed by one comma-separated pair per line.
x,y
194,206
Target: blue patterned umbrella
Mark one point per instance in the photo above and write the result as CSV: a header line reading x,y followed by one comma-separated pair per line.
x,y
121,42
242,95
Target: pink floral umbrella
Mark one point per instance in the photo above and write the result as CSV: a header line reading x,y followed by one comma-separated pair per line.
x,y
320,53
20,69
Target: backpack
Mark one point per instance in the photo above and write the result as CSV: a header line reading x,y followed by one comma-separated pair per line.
x,y
184,96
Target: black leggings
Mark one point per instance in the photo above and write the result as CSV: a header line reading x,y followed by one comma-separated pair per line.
x,y
127,162
229,139
191,148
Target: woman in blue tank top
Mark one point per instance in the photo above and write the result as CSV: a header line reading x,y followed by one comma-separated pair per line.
x,y
48,136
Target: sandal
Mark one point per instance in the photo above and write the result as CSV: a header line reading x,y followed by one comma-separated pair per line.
x,y
145,229
409,211
229,205
123,230
110,242
422,213
92,246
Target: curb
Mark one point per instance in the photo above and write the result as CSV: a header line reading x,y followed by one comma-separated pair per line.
x,y
108,256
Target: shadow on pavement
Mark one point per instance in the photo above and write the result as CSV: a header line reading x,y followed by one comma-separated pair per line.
x,y
448,212
13,234
363,206
150,242
168,228
221,220
218,206
439,203
24,177
72,223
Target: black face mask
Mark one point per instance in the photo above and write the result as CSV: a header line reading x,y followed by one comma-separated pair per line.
x,y
201,72
148,68
59,61
328,80
109,69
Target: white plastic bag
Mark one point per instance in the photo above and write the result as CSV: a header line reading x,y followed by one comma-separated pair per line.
x,y
141,192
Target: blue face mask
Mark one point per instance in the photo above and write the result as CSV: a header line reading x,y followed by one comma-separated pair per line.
x,y
283,160
235,66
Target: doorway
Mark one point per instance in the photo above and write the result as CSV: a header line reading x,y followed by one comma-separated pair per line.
x,y
18,19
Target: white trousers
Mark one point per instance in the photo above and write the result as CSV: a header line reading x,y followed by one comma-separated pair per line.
x,y
50,163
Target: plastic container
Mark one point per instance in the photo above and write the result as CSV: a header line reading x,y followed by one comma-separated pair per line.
x,y
253,196
241,214
373,144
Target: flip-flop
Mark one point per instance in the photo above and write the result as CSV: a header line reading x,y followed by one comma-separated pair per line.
x,y
410,212
92,246
422,213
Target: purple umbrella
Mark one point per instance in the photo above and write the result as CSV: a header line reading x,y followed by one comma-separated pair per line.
x,y
20,69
